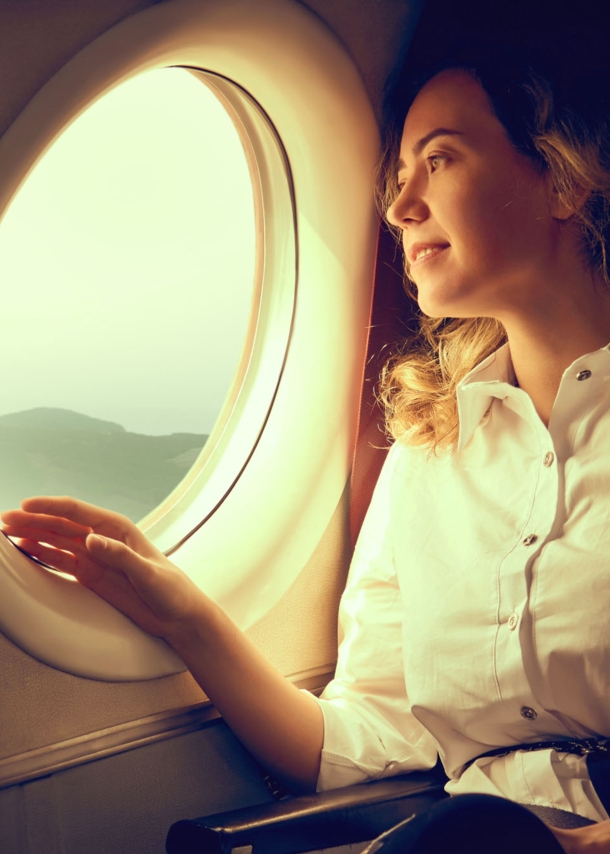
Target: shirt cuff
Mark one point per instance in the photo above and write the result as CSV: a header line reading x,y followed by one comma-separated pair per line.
x,y
353,752
349,755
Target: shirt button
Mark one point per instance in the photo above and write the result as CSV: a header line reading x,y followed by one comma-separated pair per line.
x,y
528,541
583,375
529,713
512,621
548,459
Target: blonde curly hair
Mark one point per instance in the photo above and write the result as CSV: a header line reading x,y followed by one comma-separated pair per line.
x,y
565,131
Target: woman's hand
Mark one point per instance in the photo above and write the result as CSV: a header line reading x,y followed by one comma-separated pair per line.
x,y
280,725
108,554
594,839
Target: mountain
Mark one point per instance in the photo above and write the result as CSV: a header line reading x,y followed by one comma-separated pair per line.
x,y
47,418
47,451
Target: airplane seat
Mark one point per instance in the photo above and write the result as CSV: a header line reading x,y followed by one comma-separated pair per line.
x,y
313,822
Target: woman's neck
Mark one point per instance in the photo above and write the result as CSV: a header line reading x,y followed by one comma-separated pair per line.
x,y
543,346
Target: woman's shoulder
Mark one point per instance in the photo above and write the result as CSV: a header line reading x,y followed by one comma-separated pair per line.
x,y
407,459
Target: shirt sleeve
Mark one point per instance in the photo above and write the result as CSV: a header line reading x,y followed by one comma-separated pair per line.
x,y
369,728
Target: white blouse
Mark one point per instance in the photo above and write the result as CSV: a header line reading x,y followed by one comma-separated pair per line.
x,y
476,610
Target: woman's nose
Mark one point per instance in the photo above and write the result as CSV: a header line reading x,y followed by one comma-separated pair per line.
x,y
407,207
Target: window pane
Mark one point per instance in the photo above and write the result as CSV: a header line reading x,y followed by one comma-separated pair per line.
x,y
128,262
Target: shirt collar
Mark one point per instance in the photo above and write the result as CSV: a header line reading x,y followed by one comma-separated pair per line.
x,y
493,377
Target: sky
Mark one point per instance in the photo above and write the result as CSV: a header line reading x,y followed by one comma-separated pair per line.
x,y
127,262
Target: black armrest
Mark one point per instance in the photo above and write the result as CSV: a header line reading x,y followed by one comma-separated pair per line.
x,y
309,822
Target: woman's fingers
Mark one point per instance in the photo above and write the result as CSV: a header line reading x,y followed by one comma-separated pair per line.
x,y
70,544
156,598
168,593
85,557
65,505
140,571
34,522
111,570
80,512
73,518
67,554
63,561
108,554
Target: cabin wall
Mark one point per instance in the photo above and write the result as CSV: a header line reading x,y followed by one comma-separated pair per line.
x,y
38,37
125,799
127,802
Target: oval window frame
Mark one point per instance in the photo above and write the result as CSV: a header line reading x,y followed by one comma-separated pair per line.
x,y
249,400
281,501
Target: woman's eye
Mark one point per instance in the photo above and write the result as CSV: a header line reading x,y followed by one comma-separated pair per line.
x,y
434,157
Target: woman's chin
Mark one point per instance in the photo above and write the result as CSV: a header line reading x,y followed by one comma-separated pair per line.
x,y
444,302
434,314
434,307
435,298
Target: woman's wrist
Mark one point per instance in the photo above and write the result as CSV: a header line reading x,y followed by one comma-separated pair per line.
x,y
194,629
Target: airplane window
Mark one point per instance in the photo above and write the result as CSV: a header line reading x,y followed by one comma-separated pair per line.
x,y
201,282
128,264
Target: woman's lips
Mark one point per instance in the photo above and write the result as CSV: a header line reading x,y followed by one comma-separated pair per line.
x,y
429,256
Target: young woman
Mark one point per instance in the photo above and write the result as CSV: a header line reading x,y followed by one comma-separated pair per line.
x,y
479,583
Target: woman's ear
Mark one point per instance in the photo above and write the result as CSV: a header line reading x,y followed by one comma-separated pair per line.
x,y
564,205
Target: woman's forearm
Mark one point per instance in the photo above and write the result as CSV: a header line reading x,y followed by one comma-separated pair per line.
x,y
279,724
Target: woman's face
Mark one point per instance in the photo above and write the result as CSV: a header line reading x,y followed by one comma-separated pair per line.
x,y
468,195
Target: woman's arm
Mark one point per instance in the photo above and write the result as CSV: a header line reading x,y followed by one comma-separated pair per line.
x,y
280,725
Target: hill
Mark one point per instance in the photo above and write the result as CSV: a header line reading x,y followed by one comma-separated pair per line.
x,y
91,459
47,418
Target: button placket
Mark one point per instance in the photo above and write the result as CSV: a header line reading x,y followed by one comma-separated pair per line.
x,y
543,509
539,504
516,574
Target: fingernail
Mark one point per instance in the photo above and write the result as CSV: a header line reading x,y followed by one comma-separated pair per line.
x,y
96,540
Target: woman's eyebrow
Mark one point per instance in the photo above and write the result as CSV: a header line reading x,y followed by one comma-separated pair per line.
x,y
423,142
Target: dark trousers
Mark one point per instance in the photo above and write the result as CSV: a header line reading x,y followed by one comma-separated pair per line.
x,y
470,824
